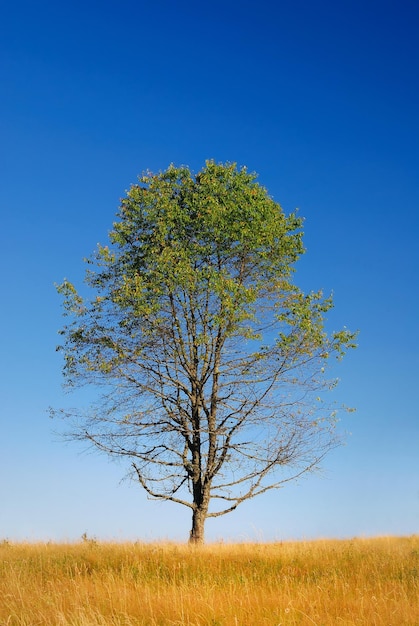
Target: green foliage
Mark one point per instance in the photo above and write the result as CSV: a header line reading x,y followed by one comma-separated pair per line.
x,y
197,323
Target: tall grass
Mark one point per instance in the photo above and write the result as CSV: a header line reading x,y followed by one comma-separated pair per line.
x,y
326,583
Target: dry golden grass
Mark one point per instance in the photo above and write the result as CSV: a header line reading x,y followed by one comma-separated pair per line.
x,y
326,583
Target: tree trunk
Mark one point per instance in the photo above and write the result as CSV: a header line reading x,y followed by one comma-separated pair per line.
x,y
198,524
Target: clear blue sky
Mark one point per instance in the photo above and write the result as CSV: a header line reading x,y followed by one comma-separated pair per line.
x,y
322,100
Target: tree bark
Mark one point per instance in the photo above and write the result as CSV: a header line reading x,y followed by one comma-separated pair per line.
x,y
198,526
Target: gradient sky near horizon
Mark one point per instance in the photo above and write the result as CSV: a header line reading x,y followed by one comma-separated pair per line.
x,y
322,100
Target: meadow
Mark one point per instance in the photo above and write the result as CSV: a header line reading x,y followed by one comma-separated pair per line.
x,y
374,582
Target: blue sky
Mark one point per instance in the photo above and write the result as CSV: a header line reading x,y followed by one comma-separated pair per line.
x,y
322,100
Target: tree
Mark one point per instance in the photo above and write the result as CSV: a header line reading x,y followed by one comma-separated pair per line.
x,y
210,358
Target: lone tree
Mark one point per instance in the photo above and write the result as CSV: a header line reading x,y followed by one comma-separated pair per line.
x,y
210,358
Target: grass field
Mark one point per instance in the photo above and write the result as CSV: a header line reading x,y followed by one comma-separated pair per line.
x,y
326,583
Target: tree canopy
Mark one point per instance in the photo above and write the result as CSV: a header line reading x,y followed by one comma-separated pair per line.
x,y
209,357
